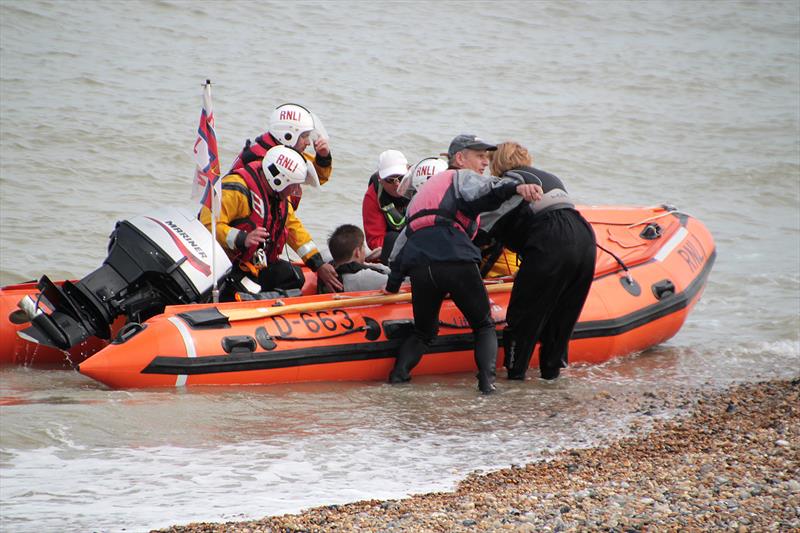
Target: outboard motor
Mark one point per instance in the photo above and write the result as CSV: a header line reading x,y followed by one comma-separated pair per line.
x,y
153,261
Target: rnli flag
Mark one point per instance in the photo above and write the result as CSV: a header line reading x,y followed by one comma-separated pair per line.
x,y
207,182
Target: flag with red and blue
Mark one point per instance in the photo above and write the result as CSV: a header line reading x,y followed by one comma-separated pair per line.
x,y
207,182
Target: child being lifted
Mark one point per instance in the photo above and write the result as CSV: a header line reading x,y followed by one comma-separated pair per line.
x,y
349,253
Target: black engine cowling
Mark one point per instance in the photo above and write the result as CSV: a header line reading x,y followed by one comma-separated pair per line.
x,y
153,261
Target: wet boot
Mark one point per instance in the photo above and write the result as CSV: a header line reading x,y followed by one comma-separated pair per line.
x,y
486,358
509,353
549,373
518,355
411,352
550,366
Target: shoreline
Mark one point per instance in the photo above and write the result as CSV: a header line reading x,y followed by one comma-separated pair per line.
x,y
732,462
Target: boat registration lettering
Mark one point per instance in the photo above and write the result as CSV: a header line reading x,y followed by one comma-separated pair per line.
x,y
330,321
692,252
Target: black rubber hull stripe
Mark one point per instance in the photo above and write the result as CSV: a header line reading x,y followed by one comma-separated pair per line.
x,y
239,362
662,308
289,358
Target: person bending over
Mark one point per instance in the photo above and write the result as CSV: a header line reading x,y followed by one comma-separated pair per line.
x,y
436,249
558,252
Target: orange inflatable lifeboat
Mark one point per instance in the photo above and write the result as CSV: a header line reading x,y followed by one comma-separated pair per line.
x,y
652,267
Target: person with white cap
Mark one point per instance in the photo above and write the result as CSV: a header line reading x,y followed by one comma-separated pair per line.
x,y
383,207
470,152
252,224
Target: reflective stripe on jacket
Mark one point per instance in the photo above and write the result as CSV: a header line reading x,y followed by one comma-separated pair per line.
x,y
393,208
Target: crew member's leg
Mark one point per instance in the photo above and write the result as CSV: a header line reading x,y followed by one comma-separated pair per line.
x,y
578,273
426,301
281,275
537,288
529,308
466,288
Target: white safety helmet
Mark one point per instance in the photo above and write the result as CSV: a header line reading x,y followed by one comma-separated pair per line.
x,y
284,166
426,168
288,122
419,174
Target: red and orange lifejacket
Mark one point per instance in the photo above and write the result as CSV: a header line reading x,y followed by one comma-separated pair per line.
x,y
267,210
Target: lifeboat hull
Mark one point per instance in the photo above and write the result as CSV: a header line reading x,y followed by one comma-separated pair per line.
x,y
650,273
17,351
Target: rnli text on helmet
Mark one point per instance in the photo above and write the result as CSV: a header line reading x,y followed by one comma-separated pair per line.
x,y
287,114
425,170
285,162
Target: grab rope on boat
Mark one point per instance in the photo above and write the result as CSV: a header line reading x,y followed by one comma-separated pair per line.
x,y
620,262
671,211
466,326
331,336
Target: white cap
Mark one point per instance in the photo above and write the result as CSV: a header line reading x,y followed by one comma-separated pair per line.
x,y
392,163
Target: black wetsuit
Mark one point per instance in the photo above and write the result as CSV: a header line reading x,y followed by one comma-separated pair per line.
x,y
556,246
441,260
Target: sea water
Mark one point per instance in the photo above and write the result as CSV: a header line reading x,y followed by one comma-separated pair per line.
x,y
695,104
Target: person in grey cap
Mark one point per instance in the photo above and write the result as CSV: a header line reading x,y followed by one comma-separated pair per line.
x,y
470,152
435,250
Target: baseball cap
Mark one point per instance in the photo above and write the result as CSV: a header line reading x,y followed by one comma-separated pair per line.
x,y
392,163
468,142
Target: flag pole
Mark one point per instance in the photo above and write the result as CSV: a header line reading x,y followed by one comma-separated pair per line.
x,y
207,176
214,203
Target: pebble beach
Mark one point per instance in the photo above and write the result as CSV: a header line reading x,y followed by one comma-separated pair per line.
x,y
730,460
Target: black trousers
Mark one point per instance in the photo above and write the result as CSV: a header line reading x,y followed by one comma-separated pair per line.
x,y
281,275
549,292
278,275
430,285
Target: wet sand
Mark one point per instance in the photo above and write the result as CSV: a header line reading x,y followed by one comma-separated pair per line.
x,y
732,462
